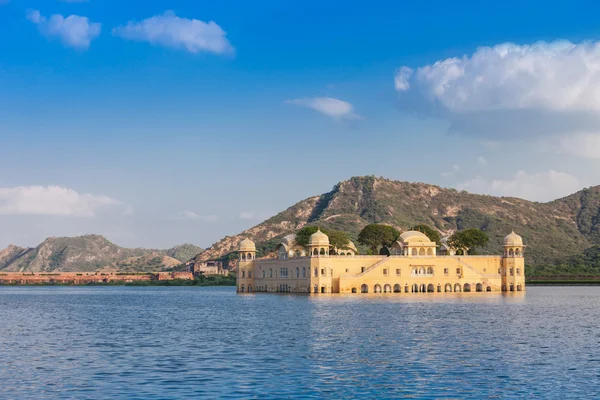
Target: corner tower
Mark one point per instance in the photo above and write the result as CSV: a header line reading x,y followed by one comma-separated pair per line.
x,y
318,244
245,273
513,264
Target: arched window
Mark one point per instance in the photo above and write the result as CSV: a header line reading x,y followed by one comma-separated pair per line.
x,y
316,252
297,272
322,252
249,256
304,272
422,271
271,273
249,276
264,274
511,252
422,252
244,256
518,252
414,251
316,272
364,288
413,271
243,273
429,271
429,252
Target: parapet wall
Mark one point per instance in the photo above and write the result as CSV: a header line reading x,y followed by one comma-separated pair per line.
x,y
87,277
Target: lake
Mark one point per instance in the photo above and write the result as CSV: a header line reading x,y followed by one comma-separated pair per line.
x,y
190,342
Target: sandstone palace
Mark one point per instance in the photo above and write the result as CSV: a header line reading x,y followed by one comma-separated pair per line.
x,y
414,265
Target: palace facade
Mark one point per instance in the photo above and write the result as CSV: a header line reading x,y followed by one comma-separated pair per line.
x,y
413,266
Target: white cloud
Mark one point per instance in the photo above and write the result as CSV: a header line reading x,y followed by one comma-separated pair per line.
x,y
190,215
510,91
454,170
482,161
170,30
247,215
57,201
536,187
74,31
328,106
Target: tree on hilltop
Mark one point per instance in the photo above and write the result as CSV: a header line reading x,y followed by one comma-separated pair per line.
x,y
376,236
470,239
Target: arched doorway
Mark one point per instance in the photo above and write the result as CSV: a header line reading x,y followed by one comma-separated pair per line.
x,y
364,288
519,288
467,287
387,289
439,288
423,288
377,288
448,288
479,287
415,288
397,288
353,290
430,288
488,289
512,287
457,287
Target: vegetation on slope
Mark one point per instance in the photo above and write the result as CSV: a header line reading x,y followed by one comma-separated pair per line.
x,y
552,231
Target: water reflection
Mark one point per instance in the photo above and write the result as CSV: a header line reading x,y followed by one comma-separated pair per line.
x,y
211,342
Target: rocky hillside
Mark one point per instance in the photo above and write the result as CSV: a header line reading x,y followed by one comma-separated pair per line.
x,y
552,231
90,253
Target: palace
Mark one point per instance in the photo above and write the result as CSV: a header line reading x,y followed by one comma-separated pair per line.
x,y
413,265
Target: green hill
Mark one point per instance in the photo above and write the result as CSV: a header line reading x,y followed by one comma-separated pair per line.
x,y
90,253
553,231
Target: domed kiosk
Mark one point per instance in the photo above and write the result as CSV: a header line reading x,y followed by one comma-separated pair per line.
x,y
413,244
318,244
247,250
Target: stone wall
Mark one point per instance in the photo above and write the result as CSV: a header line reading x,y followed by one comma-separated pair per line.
x,y
87,277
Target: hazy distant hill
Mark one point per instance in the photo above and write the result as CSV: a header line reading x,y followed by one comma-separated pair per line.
x,y
90,253
552,231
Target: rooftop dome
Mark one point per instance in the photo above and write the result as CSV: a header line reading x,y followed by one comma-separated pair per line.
x,y
318,239
513,239
247,245
413,236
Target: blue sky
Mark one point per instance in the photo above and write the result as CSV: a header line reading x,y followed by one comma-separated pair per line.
x,y
147,123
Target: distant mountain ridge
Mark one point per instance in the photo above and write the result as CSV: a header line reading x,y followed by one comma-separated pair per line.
x,y
90,253
553,230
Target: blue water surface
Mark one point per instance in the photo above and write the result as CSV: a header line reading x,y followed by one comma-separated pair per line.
x,y
187,342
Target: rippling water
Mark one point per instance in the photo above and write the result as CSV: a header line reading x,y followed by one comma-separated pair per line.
x,y
150,343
